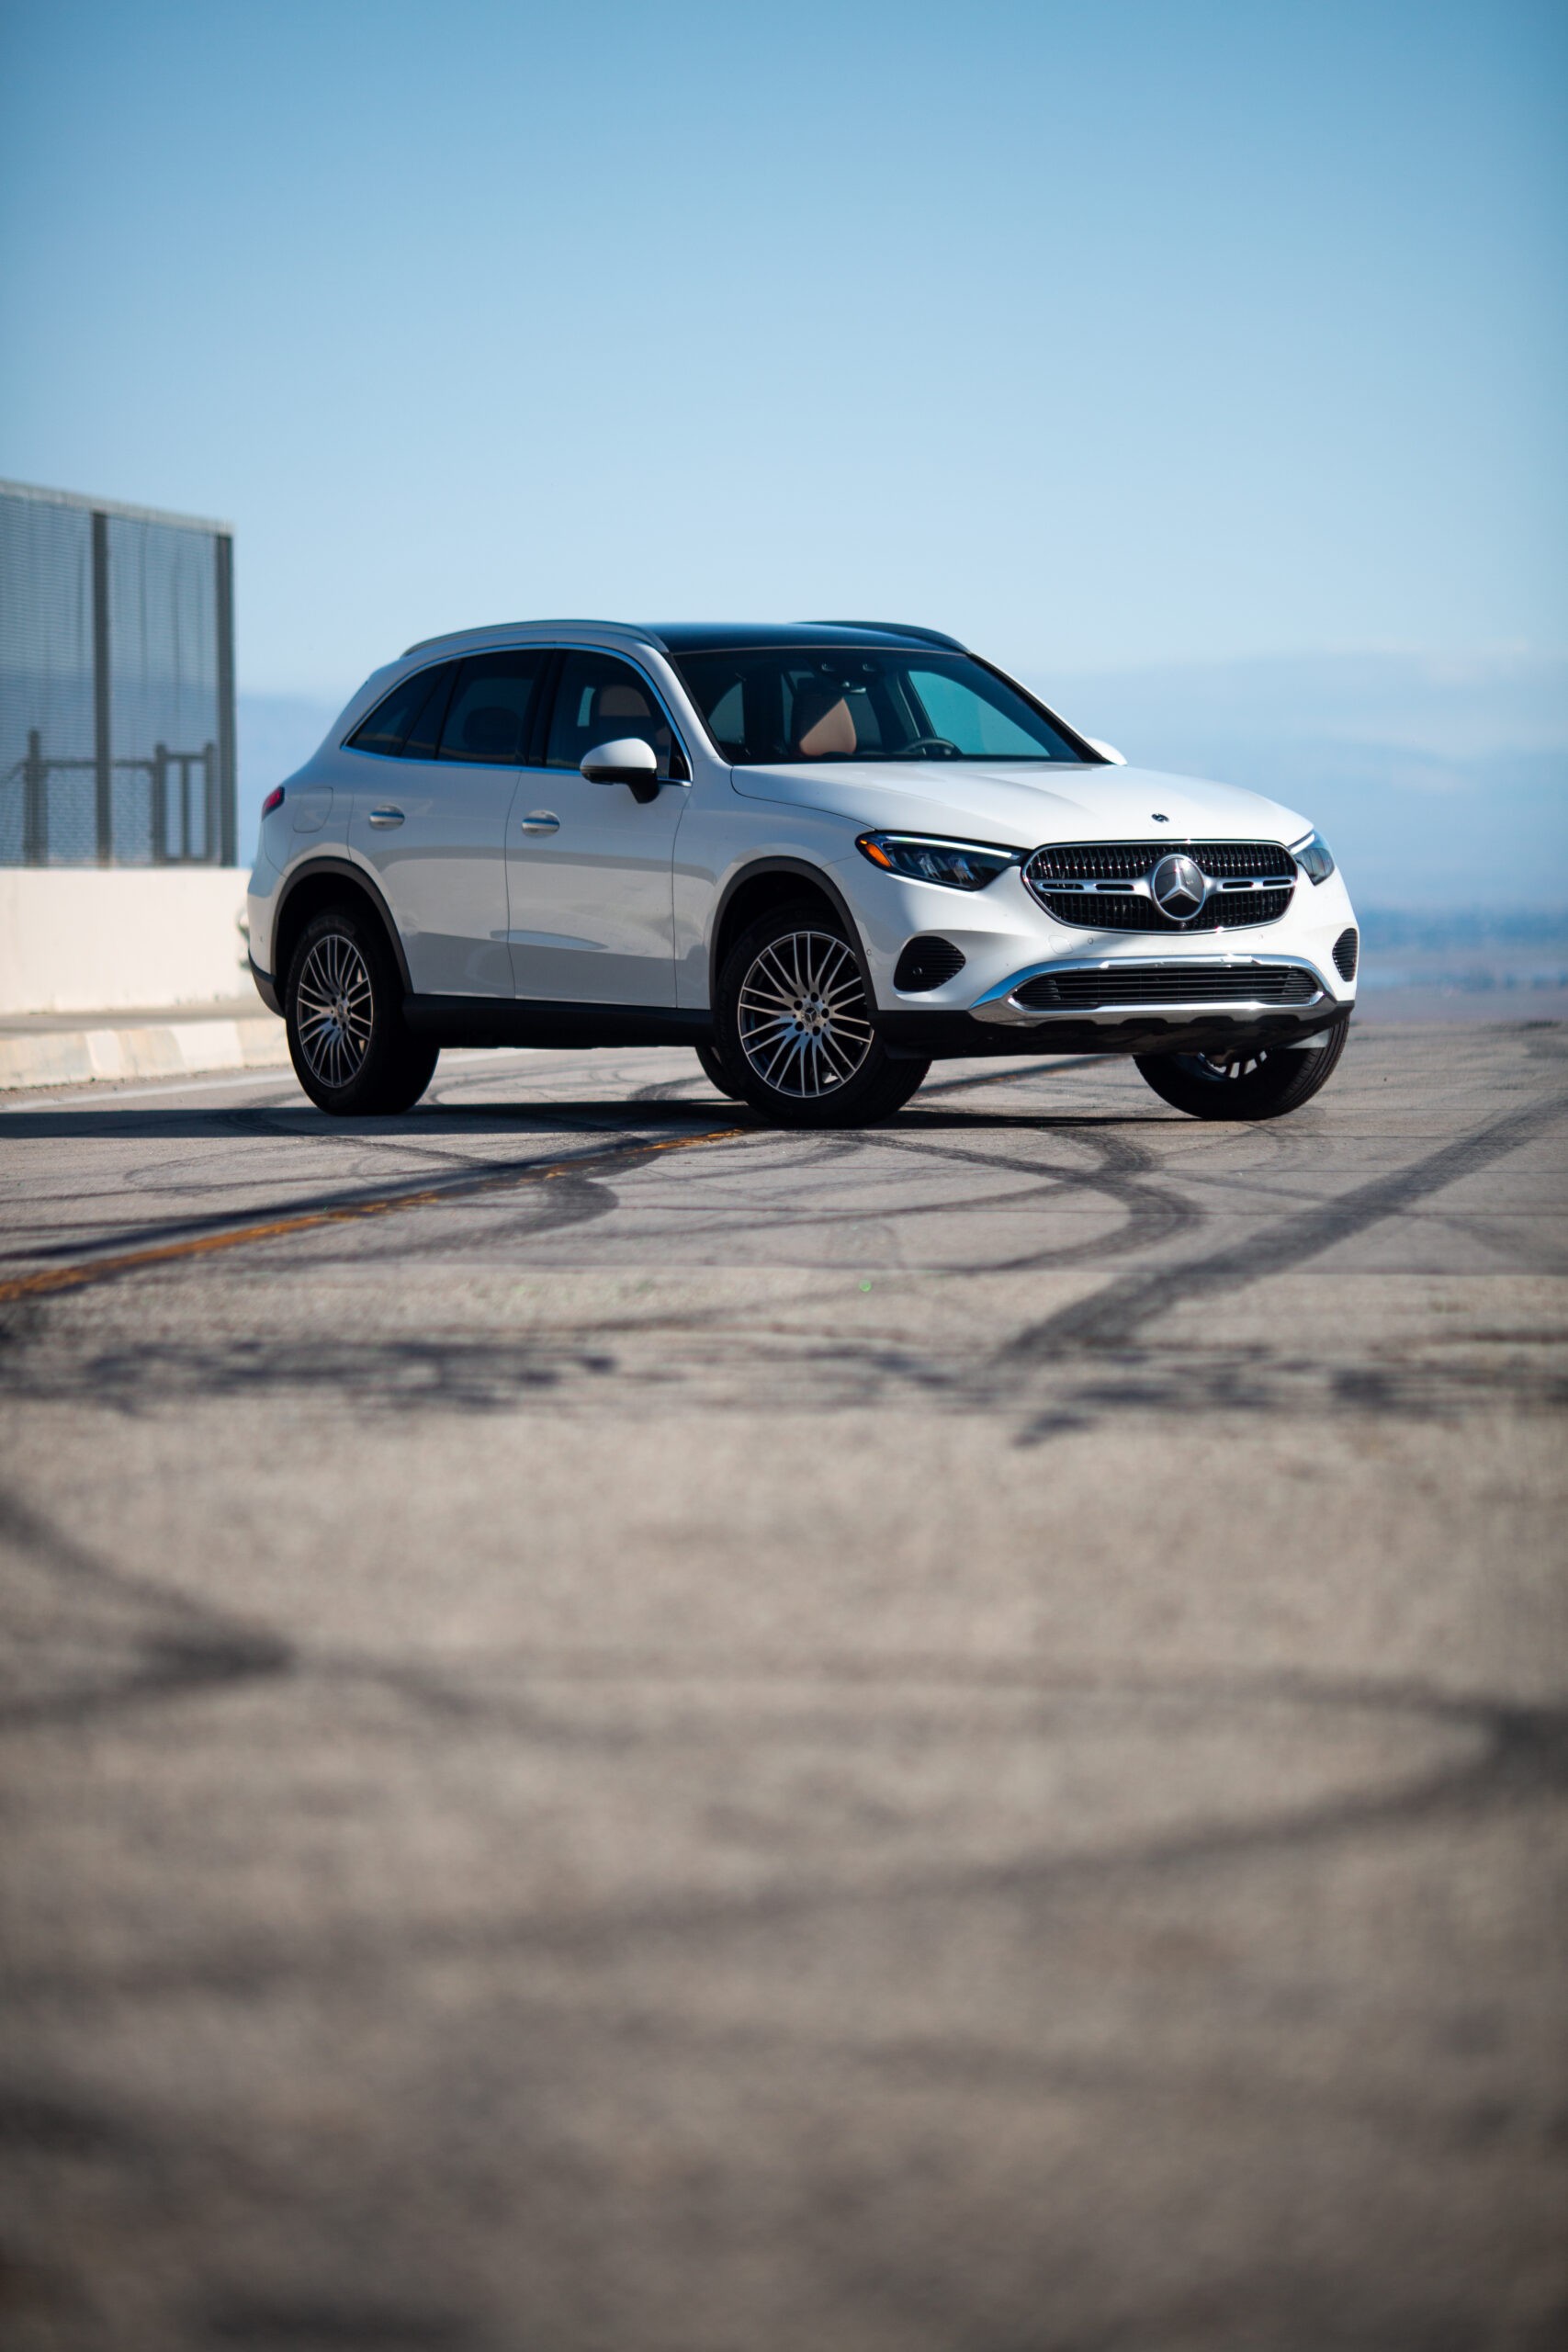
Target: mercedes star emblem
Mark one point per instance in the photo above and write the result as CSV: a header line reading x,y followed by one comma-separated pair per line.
x,y
1177,888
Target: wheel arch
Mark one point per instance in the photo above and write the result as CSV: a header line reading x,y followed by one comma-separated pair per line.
x,y
777,882
327,882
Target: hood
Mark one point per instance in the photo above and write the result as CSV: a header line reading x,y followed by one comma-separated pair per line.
x,y
1020,809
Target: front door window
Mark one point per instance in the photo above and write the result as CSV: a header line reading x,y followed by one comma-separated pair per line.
x,y
601,700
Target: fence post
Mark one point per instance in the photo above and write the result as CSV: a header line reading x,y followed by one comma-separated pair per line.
x,y
102,757
228,826
210,849
34,802
160,804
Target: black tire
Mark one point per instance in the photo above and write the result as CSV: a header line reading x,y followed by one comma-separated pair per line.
x,y
794,1031
717,1077
1262,1083
351,1050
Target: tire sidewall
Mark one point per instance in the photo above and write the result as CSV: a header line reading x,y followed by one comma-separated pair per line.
x,y
716,1070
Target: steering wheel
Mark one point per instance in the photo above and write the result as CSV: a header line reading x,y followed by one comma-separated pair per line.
x,y
928,743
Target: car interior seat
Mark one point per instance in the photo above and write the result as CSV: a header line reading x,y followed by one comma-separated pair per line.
x,y
824,726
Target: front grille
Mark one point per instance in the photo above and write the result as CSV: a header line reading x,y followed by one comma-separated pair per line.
x,y
1260,876
1094,910
1130,983
1346,947
926,963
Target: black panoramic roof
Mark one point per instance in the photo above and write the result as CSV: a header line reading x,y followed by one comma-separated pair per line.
x,y
732,637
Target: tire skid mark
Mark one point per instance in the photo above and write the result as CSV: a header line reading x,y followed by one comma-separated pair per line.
x,y
1128,1173
158,1644
353,1211
1112,1317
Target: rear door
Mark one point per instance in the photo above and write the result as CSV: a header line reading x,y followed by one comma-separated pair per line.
x,y
433,822
590,868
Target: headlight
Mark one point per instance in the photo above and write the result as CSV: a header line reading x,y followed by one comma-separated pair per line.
x,y
962,866
1315,858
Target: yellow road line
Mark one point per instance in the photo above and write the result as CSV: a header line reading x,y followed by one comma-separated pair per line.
x,y
95,1269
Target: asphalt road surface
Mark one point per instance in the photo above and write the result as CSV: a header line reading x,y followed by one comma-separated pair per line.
x,y
625,1731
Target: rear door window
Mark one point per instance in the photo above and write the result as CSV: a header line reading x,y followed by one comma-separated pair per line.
x,y
490,717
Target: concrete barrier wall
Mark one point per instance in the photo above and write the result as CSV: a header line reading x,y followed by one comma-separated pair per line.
x,y
107,940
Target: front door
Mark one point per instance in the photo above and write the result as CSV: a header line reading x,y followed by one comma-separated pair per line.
x,y
590,868
433,822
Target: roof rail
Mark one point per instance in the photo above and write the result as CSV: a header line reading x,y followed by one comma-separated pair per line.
x,y
490,628
893,628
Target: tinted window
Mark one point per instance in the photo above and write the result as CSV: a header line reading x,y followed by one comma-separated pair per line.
x,y
492,707
423,737
388,724
792,703
601,700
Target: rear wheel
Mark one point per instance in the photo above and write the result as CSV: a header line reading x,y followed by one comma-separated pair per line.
x,y
1264,1083
352,1049
794,1033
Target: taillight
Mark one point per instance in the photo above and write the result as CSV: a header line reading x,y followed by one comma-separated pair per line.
x,y
273,801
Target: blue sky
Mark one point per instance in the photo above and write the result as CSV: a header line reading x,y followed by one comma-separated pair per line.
x,y
1108,335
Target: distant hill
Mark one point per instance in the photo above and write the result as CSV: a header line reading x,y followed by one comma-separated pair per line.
x,y
1442,787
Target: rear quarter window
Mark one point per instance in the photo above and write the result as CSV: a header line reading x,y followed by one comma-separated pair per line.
x,y
396,716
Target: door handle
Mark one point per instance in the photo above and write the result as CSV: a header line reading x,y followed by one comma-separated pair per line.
x,y
386,816
541,820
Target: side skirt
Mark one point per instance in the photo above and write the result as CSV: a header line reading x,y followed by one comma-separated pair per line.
x,y
535,1021
950,1036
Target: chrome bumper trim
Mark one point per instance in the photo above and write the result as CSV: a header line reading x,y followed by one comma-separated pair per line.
x,y
999,1005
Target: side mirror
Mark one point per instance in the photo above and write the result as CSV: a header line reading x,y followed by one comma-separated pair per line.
x,y
627,761
1106,751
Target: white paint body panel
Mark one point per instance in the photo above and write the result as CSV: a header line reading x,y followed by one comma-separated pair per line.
x,y
443,869
592,920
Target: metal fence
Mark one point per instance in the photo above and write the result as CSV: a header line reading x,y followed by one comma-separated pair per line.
x,y
116,685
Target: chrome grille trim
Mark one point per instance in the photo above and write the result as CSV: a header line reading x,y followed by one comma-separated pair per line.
x,y
1104,885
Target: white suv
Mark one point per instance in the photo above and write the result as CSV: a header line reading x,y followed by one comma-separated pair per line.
x,y
821,855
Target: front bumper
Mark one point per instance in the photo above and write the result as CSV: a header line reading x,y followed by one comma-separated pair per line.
x,y
1124,1005
1008,940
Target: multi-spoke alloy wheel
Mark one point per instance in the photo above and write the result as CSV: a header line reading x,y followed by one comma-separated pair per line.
x,y
793,1030
803,1016
335,1004
348,1036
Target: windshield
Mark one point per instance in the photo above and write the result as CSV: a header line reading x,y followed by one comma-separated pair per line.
x,y
773,704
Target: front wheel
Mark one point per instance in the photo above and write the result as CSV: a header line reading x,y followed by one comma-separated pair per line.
x,y
1262,1082
795,1032
351,1050
717,1077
